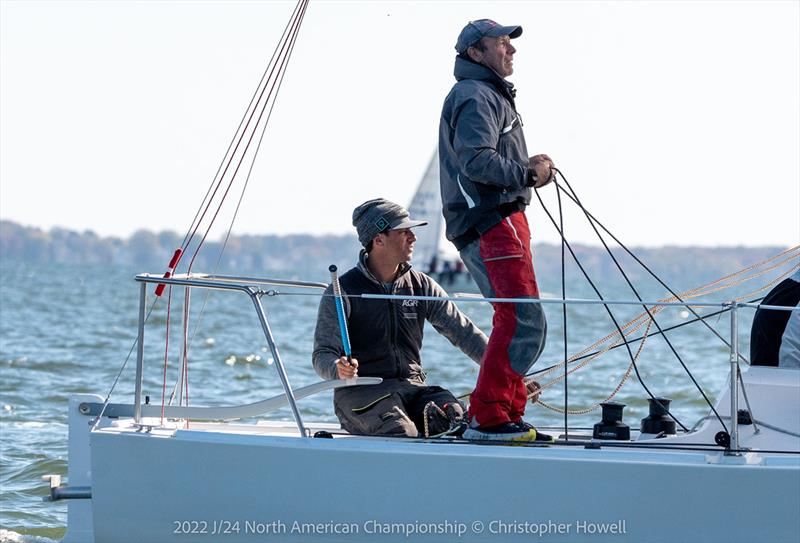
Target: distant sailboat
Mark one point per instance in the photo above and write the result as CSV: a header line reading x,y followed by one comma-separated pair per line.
x,y
433,254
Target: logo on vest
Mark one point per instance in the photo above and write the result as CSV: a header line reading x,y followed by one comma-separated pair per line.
x,y
410,303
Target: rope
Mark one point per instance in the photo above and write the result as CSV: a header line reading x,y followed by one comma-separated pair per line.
x,y
166,356
630,324
608,310
263,100
669,300
185,357
633,326
426,415
650,315
564,318
192,229
549,369
649,271
285,51
760,423
119,373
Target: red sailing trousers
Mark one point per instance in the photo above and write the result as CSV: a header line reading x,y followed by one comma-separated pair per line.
x,y
501,263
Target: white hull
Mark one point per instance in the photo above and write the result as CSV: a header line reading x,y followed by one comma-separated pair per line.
x,y
166,484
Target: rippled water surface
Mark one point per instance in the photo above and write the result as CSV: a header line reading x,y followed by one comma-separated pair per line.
x,y
68,330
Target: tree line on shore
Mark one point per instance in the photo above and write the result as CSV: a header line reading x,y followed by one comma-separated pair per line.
x,y
151,251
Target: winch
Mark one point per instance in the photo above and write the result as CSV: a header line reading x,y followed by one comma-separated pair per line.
x,y
658,423
611,426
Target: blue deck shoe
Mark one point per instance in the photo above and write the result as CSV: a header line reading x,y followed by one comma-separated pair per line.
x,y
508,431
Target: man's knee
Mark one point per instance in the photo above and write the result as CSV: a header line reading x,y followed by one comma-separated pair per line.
x,y
395,422
385,418
529,337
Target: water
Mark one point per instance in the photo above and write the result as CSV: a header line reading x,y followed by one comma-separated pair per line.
x,y
68,330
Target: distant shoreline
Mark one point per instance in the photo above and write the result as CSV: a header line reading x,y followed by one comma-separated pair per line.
x,y
312,254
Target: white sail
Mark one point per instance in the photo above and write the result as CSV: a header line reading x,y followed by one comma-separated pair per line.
x,y
426,205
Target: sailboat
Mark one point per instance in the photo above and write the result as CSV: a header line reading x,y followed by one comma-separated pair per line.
x,y
433,254
140,471
144,472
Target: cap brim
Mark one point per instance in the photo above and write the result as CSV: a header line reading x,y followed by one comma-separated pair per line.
x,y
510,31
408,223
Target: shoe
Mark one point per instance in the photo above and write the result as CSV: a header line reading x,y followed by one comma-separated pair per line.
x,y
447,420
508,431
456,430
455,412
540,436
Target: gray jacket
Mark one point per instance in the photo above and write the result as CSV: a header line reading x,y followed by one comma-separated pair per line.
x,y
483,158
386,335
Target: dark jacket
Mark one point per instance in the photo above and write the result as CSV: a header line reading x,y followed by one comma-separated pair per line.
x,y
772,341
386,335
483,158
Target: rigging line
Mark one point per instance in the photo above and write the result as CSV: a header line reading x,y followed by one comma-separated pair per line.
x,y
608,310
277,88
735,275
663,284
597,353
616,390
241,131
239,203
229,186
746,399
281,49
166,355
619,330
274,91
185,357
638,297
564,315
702,291
581,356
760,422
252,104
284,63
770,284
125,363
676,326
230,155
183,375
603,351
184,244
710,288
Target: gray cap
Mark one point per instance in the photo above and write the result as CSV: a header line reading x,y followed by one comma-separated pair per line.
x,y
379,215
475,30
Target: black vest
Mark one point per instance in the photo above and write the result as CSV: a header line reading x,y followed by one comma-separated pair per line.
x,y
386,335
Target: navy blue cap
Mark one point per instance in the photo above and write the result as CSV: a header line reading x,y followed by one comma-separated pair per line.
x,y
475,30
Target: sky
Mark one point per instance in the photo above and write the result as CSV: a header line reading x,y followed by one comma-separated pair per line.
x,y
677,123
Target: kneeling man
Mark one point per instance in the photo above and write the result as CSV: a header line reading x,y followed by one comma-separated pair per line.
x,y
386,335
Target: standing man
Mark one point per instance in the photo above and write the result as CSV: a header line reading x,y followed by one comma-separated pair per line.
x,y
486,178
386,335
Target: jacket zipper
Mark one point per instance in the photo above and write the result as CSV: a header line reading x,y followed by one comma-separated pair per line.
x,y
393,332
